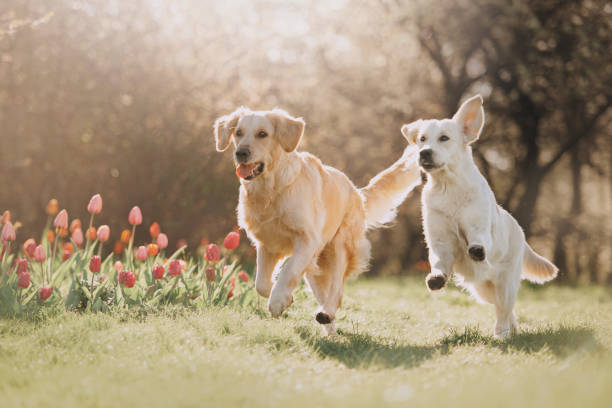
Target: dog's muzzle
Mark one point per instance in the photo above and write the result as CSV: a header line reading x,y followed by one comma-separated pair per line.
x,y
426,159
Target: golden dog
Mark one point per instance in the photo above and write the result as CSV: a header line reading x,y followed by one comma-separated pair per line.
x,y
292,206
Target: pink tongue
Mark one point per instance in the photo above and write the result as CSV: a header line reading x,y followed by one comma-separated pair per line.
x,y
245,170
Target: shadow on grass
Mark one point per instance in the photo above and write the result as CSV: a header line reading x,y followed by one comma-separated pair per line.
x,y
360,350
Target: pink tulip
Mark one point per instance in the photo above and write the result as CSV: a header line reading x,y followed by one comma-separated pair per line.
x,y
231,241
141,253
22,266
29,246
127,278
135,216
24,280
8,232
77,237
212,253
158,272
45,293
243,276
61,220
118,266
95,204
95,263
6,217
103,233
174,269
162,240
39,254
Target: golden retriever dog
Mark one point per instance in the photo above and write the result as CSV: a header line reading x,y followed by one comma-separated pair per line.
x,y
466,231
293,207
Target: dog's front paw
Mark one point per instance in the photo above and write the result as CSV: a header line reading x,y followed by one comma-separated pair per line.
x,y
279,302
435,281
477,253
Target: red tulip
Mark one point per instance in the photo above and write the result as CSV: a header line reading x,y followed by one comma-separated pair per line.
x,y
39,254
118,248
76,223
6,217
8,232
24,280
212,253
29,246
52,207
152,249
95,263
158,272
242,275
231,241
162,240
127,278
118,266
103,233
210,274
61,220
174,269
95,204
91,233
77,236
154,230
135,216
141,253
22,266
45,293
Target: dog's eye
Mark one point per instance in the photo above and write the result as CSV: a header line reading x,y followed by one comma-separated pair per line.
x,y
423,138
262,134
444,138
238,133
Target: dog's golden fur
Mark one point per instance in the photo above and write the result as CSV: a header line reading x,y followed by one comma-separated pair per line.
x,y
294,207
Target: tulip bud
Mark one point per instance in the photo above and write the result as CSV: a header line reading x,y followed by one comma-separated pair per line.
x,y
141,253
61,220
50,236
91,233
154,230
24,280
95,263
95,204
77,237
127,278
135,216
6,217
63,233
231,241
210,274
158,272
118,266
76,223
152,249
118,248
22,266
162,240
8,232
66,255
243,276
45,293
52,207
174,269
212,253
125,236
29,246
39,254
103,233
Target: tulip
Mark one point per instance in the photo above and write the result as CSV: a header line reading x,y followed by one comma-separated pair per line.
x,y
162,240
212,253
50,236
158,272
77,237
29,246
103,233
95,263
61,220
45,293
24,280
141,253
76,223
125,236
22,266
118,266
210,274
231,241
8,232
242,275
39,254
52,207
95,204
66,255
91,233
6,217
135,216
154,230
152,249
63,232
174,269
127,278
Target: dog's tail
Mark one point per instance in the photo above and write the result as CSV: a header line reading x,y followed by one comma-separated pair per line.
x,y
389,188
536,268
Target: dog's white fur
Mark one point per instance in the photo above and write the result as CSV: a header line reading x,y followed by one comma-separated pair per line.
x,y
311,214
466,231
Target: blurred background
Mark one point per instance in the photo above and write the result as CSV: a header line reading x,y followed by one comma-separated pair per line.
x,y
119,97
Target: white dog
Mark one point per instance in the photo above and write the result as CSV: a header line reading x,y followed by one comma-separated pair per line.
x,y
292,206
466,231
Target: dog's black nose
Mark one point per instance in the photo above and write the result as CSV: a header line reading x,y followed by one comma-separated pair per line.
x,y
426,154
242,154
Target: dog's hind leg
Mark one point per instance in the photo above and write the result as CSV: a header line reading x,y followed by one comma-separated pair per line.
x,y
337,263
319,282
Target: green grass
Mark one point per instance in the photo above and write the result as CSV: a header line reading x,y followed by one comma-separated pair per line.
x,y
398,346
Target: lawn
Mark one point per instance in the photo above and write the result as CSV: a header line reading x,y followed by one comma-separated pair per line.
x,y
398,345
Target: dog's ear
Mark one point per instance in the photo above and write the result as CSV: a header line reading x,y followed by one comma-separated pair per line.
x,y
411,131
470,117
224,127
287,129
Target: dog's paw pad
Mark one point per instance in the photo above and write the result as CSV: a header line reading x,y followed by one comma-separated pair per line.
x,y
323,318
477,253
436,282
